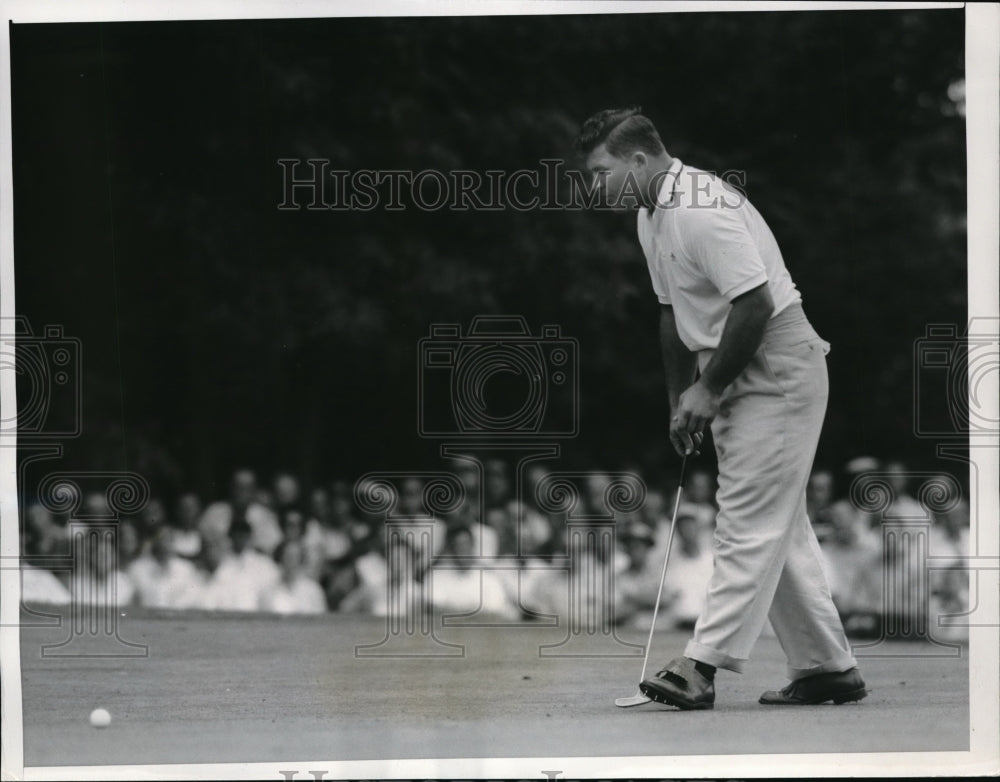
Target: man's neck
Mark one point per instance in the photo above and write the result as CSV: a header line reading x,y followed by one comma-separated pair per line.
x,y
659,167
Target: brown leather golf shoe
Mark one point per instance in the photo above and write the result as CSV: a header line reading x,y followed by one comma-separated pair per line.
x,y
680,684
820,688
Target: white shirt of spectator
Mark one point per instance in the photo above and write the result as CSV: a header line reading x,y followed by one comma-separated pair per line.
x,y
465,591
41,586
267,534
240,581
687,583
95,591
176,584
705,244
849,567
485,540
370,595
302,596
186,543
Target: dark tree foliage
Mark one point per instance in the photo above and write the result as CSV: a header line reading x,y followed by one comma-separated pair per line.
x,y
218,330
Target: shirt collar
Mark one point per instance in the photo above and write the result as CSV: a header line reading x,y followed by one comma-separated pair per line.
x,y
665,195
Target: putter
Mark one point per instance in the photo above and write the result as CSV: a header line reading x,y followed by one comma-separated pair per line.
x,y
638,699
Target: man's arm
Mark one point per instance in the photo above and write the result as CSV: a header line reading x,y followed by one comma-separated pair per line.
x,y
679,365
678,361
741,337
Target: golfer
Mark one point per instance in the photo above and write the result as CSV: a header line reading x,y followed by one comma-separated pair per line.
x,y
740,356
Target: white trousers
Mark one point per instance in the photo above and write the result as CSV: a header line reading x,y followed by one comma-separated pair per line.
x,y
767,559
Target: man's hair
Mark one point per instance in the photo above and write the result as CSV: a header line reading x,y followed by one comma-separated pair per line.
x,y
624,131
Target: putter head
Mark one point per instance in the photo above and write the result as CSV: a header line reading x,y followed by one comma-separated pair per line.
x,y
635,700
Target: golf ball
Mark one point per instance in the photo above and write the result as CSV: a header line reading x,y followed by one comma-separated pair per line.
x,y
100,718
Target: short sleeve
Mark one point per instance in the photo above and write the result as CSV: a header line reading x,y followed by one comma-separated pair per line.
x,y
718,239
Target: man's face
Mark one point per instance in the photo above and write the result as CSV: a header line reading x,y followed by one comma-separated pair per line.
x,y
617,180
244,487
687,530
820,489
161,546
898,478
702,487
286,489
188,510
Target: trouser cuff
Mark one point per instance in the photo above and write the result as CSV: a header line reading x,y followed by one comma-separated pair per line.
x,y
842,662
713,657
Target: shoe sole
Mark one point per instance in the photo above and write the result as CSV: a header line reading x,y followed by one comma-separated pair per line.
x,y
670,700
843,697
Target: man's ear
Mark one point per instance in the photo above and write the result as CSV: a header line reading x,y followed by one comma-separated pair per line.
x,y
639,159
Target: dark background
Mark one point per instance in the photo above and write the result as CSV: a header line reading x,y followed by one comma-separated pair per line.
x,y
218,331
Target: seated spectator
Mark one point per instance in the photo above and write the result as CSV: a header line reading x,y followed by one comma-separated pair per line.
x,y
297,592
949,536
358,521
103,579
489,531
819,503
593,501
637,586
295,527
244,502
949,578
538,590
537,531
591,568
515,521
462,588
500,523
320,507
334,512
903,505
846,511
286,492
95,506
496,485
186,539
468,475
153,514
688,573
654,509
129,544
164,580
411,506
848,554
241,575
41,587
370,573
698,500
338,579
43,535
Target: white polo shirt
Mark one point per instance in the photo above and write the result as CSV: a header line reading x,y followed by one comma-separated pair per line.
x,y
706,244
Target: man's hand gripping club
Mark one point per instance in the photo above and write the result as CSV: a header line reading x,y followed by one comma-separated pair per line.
x,y
695,407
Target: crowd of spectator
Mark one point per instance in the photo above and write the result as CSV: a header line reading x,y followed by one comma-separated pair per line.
x,y
278,549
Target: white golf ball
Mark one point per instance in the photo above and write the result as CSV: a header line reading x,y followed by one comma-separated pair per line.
x,y
100,718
